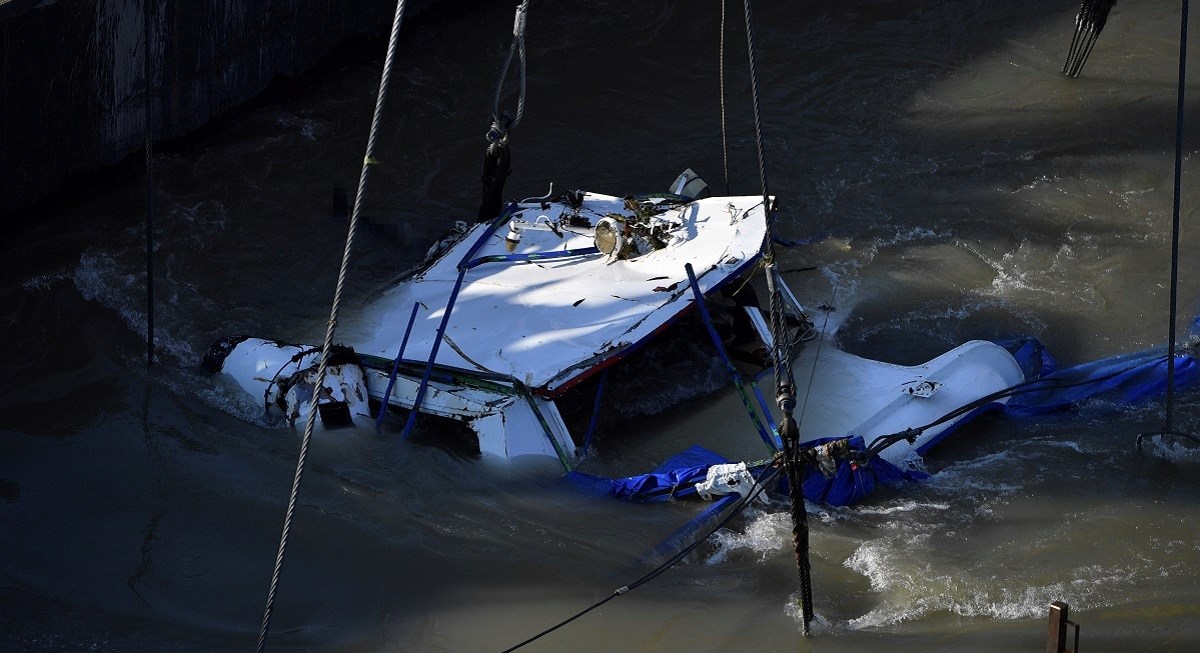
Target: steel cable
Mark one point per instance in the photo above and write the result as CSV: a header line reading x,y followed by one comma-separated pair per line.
x,y
760,486
1173,312
368,161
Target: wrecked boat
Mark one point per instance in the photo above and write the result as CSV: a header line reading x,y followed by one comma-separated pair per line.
x,y
506,318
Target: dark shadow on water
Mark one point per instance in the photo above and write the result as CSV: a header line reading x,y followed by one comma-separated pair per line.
x,y
10,491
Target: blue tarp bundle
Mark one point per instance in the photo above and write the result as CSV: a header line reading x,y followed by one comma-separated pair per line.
x,y
852,482
674,479
1123,380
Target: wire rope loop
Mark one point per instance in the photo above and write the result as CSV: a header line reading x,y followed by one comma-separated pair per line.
x,y
502,121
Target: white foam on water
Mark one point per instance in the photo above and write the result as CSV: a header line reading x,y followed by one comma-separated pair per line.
x,y
903,507
794,610
1042,180
1055,443
900,235
100,278
1033,268
224,394
115,280
910,589
978,475
1174,449
765,534
44,281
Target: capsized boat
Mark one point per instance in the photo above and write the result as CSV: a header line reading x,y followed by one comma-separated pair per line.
x,y
505,318
509,316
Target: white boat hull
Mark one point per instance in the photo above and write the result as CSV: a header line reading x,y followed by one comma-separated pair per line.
x,y
510,422
503,325
850,395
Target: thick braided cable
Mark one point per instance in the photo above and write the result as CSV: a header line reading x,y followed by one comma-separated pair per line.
x,y
516,48
799,510
783,346
368,161
758,139
785,383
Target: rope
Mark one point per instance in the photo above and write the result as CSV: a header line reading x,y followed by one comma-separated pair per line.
x,y
148,69
760,486
817,355
790,434
368,160
784,350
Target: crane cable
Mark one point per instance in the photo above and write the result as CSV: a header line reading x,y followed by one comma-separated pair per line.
x,y
497,158
368,161
769,472
1168,422
785,382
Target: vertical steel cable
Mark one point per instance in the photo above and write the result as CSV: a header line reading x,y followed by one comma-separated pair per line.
x,y
789,430
1183,25
368,161
1168,424
148,100
758,139
724,128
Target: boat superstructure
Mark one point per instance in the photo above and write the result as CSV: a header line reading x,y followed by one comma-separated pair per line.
x,y
505,318
512,314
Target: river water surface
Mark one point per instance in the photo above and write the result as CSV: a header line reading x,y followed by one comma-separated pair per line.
x,y
956,184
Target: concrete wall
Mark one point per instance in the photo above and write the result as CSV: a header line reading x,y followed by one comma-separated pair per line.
x,y
72,85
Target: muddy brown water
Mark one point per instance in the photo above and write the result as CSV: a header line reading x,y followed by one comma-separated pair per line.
x,y
957,185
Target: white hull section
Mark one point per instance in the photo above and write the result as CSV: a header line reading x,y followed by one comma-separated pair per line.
x,y
510,423
850,395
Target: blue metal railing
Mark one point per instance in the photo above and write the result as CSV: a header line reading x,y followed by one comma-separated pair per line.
x,y
737,377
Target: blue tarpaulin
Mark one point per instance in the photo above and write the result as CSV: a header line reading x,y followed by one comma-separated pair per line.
x,y
1123,380
1118,381
853,482
675,478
